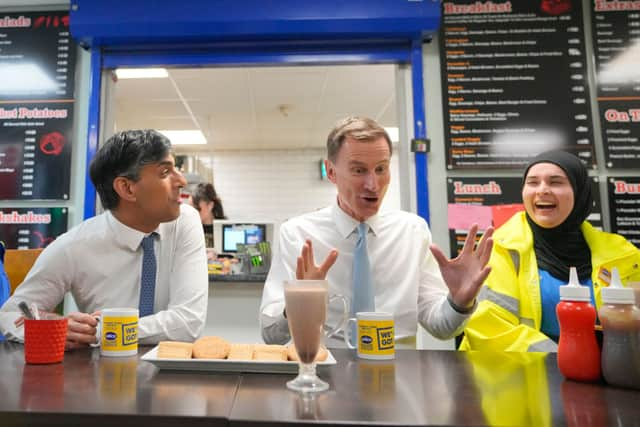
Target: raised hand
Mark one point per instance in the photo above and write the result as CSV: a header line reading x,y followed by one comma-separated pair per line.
x,y
306,268
465,274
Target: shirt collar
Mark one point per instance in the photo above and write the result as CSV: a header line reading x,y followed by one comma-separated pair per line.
x,y
347,224
126,236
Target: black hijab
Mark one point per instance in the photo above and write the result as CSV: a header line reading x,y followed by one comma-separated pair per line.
x,y
564,246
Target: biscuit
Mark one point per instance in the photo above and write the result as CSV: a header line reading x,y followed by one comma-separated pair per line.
x,y
210,348
174,350
269,352
241,352
321,356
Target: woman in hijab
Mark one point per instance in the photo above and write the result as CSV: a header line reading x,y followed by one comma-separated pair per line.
x,y
532,253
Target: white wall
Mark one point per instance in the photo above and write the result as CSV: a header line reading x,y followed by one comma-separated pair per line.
x,y
233,311
274,185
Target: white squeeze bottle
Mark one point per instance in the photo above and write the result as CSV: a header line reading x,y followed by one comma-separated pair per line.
x,y
620,320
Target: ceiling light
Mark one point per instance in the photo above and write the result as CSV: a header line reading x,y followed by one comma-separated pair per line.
x,y
185,137
393,133
141,73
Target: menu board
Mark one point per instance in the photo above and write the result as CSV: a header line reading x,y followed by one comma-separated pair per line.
x,y
30,228
37,65
624,207
616,33
492,202
515,83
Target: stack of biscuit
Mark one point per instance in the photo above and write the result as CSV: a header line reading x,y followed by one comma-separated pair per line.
x,y
175,350
219,348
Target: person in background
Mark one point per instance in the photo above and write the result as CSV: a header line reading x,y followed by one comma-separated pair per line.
x,y
100,261
532,254
412,279
206,201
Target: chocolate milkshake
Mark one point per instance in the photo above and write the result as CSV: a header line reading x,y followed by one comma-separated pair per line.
x,y
306,312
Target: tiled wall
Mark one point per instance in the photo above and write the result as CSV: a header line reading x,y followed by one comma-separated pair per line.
x,y
274,185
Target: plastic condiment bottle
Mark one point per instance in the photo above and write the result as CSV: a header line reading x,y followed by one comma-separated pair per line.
x,y
578,351
620,320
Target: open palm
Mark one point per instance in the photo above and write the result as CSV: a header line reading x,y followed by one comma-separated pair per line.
x,y
465,274
306,268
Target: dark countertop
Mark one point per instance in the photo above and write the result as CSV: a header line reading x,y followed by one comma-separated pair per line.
x,y
257,278
417,388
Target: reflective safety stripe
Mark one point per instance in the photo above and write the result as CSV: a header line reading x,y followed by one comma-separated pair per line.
x,y
515,258
526,321
545,346
512,305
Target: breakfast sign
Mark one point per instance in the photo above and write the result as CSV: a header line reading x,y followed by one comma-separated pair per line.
x,y
37,64
514,79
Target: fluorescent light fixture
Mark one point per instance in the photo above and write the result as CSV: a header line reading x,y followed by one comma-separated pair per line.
x,y
141,73
393,133
185,137
25,79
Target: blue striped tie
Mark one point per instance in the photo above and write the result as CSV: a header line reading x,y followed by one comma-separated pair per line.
x,y
363,295
148,276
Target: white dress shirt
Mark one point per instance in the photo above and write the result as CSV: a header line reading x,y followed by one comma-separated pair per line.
x,y
100,263
406,276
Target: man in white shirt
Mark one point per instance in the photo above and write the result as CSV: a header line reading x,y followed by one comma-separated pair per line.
x,y
100,260
412,279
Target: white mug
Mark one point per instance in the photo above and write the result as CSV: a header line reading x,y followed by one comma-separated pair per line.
x,y
118,332
374,334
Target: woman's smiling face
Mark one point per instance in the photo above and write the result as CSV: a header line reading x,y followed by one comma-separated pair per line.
x,y
547,195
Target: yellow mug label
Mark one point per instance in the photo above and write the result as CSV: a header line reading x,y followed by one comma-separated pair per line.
x,y
375,337
119,333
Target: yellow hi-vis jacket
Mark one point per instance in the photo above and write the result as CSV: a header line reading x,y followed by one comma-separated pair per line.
x,y
509,314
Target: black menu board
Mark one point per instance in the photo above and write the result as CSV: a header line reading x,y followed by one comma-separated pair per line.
x,y
37,64
616,32
514,82
30,228
624,207
483,201
492,202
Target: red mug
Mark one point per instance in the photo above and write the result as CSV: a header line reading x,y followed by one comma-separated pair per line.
x,y
44,340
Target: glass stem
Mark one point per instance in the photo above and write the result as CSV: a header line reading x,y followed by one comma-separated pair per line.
x,y
307,370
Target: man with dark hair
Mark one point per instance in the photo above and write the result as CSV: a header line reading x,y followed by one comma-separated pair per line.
x,y
380,261
146,250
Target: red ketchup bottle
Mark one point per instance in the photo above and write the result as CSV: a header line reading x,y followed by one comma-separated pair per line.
x,y
578,351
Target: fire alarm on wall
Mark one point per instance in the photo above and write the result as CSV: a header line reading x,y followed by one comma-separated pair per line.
x,y
420,145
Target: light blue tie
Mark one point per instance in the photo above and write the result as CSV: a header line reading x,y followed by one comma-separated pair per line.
x,y
148,276
363,296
